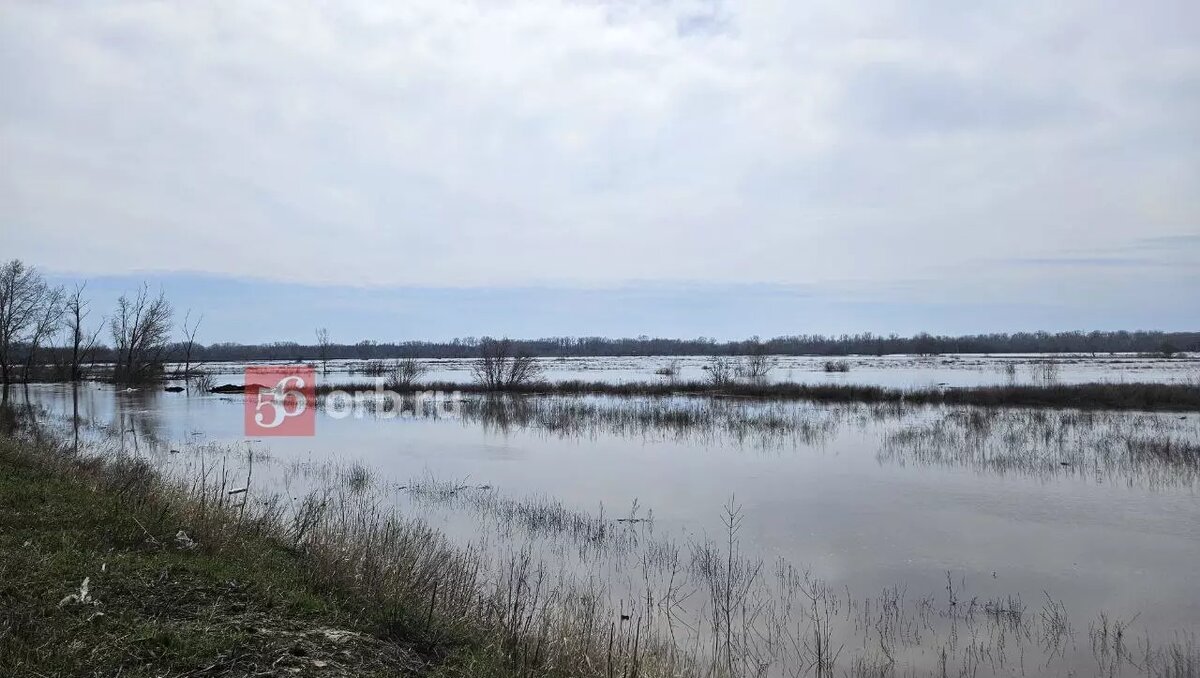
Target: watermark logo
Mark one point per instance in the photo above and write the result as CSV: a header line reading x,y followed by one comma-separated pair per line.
x,y
280,400
283,401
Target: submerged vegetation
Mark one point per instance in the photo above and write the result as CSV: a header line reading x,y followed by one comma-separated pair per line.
x,y
334,577
754,424
722,383
1157,449
335,568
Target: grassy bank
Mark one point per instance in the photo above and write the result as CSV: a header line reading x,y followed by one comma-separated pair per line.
x,y
96,578
1126,396
108,569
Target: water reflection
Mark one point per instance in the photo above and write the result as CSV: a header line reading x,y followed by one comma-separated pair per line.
x,y
1154,449
1097,508
721,595
684,419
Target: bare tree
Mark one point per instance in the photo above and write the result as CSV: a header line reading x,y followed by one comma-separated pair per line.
x,y
46,323
405,372
323,348
141,328
189,340
82,343
501,367
757,363
22,297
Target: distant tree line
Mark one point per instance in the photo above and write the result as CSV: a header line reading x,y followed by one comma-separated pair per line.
x,y
49,333
861,344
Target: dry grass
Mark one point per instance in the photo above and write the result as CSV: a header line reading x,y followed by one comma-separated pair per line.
x,y
476,613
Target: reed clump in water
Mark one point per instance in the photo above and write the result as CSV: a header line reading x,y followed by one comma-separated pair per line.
x,y
539,516
762,424
1166,450
1157,448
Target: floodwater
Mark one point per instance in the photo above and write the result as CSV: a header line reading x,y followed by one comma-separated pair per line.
x,y
897,371
951,506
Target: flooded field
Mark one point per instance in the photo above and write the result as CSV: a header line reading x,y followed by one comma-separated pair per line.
x,y
770,538
897,371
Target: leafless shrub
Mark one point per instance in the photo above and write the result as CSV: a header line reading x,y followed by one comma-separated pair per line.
x,y
720,370
405,373
729,578
203,382
837,366
671,370
756,367
501,367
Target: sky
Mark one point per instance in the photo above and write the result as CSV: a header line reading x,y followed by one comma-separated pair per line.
x,y
432,168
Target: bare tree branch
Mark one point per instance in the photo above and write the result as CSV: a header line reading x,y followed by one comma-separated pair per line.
x,y
26,313
82,344
189,340
46,324
141,328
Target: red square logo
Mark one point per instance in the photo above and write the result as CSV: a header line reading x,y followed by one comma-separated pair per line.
x,y
280,400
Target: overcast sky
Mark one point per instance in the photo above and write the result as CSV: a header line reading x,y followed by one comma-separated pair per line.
x,y
432,168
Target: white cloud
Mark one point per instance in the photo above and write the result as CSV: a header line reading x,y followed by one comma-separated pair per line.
x,y
595,143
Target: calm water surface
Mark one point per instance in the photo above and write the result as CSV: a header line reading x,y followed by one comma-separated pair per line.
x,y
1011,503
